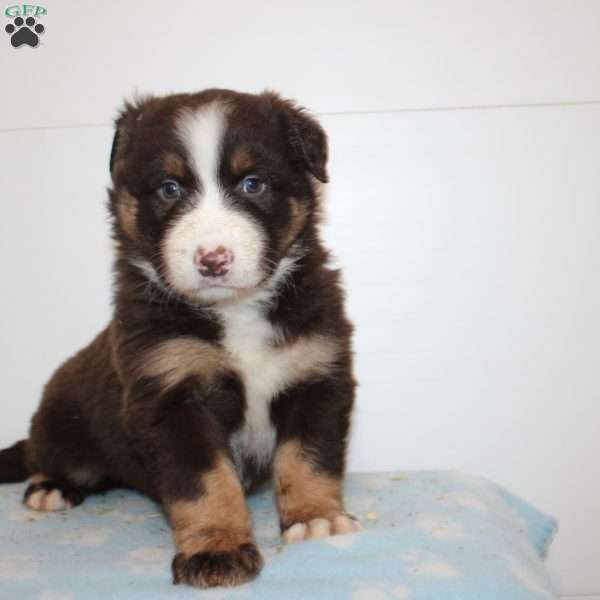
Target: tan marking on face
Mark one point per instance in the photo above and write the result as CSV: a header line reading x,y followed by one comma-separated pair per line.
x,y
174,165
174,360
218,520
320,192
298,215
127,211
303,493
241,161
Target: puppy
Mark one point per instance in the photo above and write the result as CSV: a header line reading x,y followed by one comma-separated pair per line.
x,y
228,360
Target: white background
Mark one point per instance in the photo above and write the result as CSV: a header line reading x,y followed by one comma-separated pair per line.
x,y
464,207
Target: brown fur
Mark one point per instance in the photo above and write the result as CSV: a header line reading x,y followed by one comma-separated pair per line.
x,y
242,161
173,165
218,521
304,493
298,218
155,401
127,210
175,359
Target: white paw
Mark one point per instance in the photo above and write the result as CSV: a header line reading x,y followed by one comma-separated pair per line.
x,y
47,501
42,499
321,528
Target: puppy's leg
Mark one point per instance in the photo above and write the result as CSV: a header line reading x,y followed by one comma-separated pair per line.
x,y
65,448
184,449
64,467
309,498
310,460
213,533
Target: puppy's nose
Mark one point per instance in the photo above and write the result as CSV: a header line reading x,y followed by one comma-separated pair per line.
x,y
215,263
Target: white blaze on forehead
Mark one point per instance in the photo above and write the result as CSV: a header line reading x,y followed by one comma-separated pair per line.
x,y
212,222
202,134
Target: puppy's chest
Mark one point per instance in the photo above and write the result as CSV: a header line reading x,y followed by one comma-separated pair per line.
x,y
265,369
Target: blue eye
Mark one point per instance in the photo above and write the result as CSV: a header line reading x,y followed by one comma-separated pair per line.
x,y
253,185
170,190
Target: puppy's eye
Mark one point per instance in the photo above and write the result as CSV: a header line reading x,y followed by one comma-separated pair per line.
x,y
170,190
253,185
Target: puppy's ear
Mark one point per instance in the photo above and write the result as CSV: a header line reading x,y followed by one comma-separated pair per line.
x,y
113,149
306,138
125,125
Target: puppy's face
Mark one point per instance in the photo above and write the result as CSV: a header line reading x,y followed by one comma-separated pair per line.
x,y
211,190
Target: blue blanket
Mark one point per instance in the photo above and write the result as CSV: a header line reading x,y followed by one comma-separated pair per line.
x,y
428,536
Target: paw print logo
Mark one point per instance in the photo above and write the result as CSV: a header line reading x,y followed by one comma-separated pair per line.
x,y
24,32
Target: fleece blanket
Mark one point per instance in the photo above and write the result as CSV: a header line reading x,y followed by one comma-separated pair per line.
x,y
427,536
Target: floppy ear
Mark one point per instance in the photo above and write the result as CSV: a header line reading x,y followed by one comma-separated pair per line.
x,y
307,140
113,149
125,125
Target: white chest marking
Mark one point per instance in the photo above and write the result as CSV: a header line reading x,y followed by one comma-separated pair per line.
x,y
249,339
267,368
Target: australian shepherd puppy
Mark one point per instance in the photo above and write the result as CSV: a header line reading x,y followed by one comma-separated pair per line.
x,y
228,360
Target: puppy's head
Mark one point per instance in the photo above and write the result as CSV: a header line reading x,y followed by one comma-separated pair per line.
x,y
212,190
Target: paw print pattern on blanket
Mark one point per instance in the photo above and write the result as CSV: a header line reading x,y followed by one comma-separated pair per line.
x,y
426,535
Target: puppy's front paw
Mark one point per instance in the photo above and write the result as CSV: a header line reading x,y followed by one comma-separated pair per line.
x,y
210,569
321,528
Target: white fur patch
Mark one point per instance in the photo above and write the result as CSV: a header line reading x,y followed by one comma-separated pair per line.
x,y
47,501
147,269
211,223
265,368
341,527
319,528
296,533
249,340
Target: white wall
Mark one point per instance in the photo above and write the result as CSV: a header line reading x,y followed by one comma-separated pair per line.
x,y
464,206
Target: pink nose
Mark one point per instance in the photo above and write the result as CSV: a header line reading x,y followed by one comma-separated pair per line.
x,y
215,263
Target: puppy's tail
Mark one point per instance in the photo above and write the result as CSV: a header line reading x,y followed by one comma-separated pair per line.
x,y
13,466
